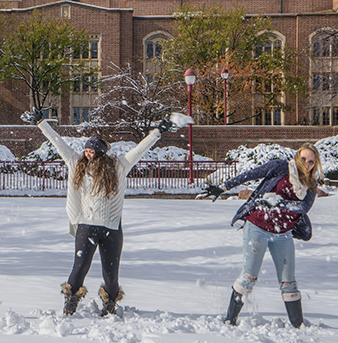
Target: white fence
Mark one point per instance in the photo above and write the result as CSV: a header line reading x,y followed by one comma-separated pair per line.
x,y
51,178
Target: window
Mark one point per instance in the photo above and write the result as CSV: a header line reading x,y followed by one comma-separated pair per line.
x,y
267,85
50,113
326,116
321,116
322,82
272,116
80,115
153,49
324,77
76,116
88,84
93,49
258,117
272,45
325,44
335,116
267,117
277,117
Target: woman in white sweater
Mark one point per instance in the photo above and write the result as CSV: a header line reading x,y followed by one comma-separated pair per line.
x,y
95,196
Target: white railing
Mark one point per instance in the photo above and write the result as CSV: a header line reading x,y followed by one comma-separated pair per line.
x,y
145,176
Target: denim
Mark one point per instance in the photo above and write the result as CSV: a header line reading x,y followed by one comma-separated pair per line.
x,y
271,172
281,247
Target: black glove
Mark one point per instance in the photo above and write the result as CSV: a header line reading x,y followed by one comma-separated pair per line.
x,y
32,117
211,190
165,124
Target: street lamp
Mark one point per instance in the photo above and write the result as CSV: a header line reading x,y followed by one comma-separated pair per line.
x,y
225,75
190,78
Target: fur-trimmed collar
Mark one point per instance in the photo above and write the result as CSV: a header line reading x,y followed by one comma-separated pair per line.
x,y
299,189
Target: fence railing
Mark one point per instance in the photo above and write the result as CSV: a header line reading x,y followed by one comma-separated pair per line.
x,y
145,175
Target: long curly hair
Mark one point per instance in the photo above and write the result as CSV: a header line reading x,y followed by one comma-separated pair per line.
x,y
305,177
102,168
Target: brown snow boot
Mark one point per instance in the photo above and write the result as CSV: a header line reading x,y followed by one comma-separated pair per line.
x,y
108,303
72,300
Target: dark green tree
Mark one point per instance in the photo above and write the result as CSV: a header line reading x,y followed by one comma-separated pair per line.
x,y
42,52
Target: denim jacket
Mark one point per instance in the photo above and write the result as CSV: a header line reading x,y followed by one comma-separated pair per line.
x,y
271,172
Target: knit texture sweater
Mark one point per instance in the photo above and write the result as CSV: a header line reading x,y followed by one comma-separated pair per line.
x,y
84,207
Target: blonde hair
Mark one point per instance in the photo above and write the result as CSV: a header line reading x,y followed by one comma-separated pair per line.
x,y
308,178
103,169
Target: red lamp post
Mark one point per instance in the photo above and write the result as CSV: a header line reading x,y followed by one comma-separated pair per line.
x,y
225,75
190,78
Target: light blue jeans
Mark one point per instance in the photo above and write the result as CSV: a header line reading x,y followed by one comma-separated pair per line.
x,y
282,250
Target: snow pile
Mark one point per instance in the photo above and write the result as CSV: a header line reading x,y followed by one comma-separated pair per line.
x,y
6,154
328,150
249,158
47,152
87,324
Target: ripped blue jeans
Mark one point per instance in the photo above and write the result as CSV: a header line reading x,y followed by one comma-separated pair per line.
x,y
281,247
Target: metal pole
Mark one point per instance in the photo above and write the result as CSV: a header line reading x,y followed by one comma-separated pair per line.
x,y
191,179
225,101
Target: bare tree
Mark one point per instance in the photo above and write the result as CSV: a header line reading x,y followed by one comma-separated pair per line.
x,y
134,103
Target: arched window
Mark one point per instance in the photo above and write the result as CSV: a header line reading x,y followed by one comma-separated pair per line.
x,y
271,115
323,102
152,49
273,44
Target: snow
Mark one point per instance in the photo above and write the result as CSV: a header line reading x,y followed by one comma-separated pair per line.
x,y
47,152
6,154
248,158
179,261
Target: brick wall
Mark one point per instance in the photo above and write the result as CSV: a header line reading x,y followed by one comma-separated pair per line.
x,y
215,141
167,7
212,141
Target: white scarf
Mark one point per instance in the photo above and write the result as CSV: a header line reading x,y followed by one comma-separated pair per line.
x,y
299,189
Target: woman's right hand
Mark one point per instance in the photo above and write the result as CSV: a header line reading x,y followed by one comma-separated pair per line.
x,y
210,190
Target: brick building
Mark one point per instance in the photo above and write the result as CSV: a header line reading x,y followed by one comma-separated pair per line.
x,y
126,31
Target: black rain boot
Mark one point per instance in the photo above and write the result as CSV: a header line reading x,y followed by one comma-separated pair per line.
x,y
108,303
72,300
295,313
234,308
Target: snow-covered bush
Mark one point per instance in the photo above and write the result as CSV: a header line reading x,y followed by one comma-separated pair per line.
x,y
6,154
328,150
47,152
249,158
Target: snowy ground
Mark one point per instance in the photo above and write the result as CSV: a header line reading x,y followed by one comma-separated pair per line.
x,y
179,261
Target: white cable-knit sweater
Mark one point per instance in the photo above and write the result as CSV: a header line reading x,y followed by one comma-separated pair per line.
x,y
82,206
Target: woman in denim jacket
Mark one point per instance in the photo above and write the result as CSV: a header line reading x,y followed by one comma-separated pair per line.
x,y
287,192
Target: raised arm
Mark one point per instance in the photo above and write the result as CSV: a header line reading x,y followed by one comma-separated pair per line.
x,y
65,151
266,170
133,156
